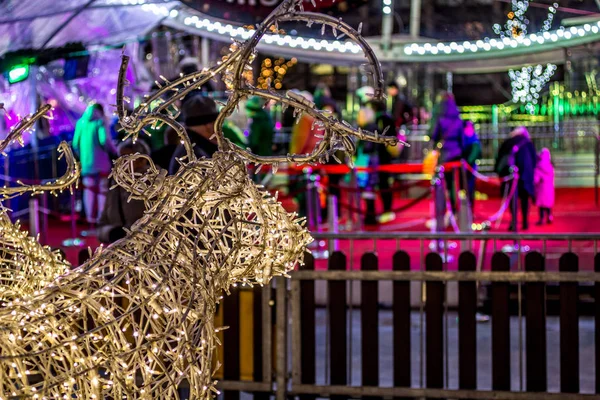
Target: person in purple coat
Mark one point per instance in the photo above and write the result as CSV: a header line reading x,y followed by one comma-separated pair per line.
x,y
448,134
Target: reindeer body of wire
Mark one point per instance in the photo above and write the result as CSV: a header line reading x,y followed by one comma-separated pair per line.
x,y
137,320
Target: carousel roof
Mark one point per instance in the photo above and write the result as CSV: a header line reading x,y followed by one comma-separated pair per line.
x,y
40,24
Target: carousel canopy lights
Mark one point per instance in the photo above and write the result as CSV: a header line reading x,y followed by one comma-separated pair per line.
x,y
241,33
387,7
561,35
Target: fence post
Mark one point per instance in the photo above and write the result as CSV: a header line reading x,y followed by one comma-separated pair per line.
x,y
597,323
401,322
337,324
569,327
467,328
307,328
535,335
7,178
310,208
44,238
231,342
332,221
434,335
74,240
257,340
281,338
439,198
500,292
34,216
596,168
369,318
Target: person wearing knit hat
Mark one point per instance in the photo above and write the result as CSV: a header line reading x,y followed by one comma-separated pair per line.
x,y
261,129
199,116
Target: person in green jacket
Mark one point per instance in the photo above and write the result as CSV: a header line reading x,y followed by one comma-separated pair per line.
x,y
260,128
94,146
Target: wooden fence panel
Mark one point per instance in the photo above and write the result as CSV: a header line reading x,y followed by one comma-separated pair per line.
x,y
597,323
307,328
500,294
434,319
337,324
569,327
231,342
257,339
535,334
369,318
401,323
467,328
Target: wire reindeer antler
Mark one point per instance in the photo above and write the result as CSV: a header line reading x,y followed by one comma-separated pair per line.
x,y
337,133
16,135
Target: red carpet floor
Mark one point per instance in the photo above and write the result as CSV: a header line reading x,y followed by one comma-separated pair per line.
x,y
575,212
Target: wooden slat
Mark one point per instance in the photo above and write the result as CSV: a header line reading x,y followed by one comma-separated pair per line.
x,y
500,326
569,327
307,328
434,335
597,323
231,341
511,276
257,339
369,312
401,323
467,329
337,324
535,335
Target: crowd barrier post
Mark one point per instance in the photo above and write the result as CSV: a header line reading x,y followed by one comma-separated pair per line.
x,y
514,201
438,204
465,216
332,221
74,240
6,180
34,216
313,213
596,168
354,220
45,227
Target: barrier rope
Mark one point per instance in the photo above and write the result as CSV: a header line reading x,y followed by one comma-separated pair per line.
x,y
400,209
341,169
488,179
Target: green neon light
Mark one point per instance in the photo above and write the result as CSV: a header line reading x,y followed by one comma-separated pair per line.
x,y
18,73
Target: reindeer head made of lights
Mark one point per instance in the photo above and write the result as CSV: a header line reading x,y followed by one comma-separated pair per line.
x,y
137,320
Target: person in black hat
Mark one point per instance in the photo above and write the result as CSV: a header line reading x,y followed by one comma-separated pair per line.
x,y
200,114
402,110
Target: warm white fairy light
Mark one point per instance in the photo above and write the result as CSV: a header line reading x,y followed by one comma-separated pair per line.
x,y
528,82
137,319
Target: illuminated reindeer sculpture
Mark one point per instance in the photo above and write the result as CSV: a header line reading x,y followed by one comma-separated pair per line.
x,y
137,319
25,265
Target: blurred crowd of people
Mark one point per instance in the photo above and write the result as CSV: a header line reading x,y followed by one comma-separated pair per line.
x,y
454,139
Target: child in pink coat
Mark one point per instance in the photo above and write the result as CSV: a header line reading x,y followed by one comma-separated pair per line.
x,y
544,186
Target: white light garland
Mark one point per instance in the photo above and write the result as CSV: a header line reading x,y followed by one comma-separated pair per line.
x,y
561,35
241,33
528,82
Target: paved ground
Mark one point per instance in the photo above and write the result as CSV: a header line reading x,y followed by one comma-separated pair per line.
x,y
586,351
